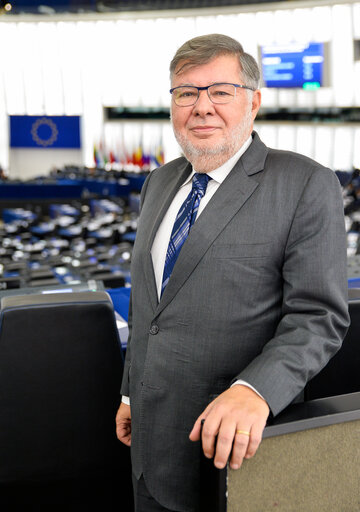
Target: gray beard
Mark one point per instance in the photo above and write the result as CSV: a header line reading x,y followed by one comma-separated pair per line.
x,y
208,159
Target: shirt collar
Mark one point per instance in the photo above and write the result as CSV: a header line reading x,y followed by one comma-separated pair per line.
x,y
221,172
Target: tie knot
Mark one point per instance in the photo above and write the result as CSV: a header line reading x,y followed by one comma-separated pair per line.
x,y
200,181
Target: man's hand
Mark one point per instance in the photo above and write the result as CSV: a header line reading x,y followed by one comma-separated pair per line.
x,y
239,409
123,424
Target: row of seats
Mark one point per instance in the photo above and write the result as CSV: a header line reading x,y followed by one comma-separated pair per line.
x,y
72,183
109,265
67,244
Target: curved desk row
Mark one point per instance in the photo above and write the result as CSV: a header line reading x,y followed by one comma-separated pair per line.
x,y
63,189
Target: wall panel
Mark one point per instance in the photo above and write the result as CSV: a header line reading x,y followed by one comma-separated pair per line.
x,y
54,66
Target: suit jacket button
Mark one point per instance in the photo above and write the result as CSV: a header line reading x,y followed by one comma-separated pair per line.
x,y
154,329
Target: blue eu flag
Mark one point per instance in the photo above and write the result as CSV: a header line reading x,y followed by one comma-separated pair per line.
x,y
45,132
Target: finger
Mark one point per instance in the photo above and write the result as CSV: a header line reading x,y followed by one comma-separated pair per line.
x,y
126,440
255,440
123,425
209,432
120,431
196,430
123,433
224,443
240,448
195,434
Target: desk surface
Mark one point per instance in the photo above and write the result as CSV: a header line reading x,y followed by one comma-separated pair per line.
x,y
315,413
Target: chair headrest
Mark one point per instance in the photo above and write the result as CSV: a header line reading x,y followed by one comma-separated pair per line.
x,y
49,299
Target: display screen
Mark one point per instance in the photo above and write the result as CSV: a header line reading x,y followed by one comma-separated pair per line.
x,y
293,65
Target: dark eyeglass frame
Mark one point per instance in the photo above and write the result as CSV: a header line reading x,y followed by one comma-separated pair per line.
x,y
206,88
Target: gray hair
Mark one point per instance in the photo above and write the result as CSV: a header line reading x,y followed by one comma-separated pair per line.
x,y
202,49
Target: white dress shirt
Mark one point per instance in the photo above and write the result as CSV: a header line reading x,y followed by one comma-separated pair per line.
x,y
162,237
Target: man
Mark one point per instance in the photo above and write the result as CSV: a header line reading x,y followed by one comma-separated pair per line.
x,y
255,303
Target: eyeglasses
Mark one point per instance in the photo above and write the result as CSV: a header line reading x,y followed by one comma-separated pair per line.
x,y
220,94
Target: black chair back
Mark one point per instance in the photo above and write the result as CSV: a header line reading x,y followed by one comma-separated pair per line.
x,y
60,372
342,373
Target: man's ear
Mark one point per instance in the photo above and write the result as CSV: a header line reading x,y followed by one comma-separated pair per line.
x,y
255,103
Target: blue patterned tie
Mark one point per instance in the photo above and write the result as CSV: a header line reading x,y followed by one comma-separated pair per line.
x,y
183,222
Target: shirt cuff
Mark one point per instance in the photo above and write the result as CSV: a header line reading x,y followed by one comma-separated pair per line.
x,y
125,400
243,383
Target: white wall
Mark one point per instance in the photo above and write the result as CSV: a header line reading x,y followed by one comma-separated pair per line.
x,y
27,163
334,145
78,65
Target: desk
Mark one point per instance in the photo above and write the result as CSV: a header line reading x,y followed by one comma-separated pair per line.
x,y
64,189
308,461
120,298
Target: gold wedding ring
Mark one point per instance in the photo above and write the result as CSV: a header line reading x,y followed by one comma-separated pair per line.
x,y
243,432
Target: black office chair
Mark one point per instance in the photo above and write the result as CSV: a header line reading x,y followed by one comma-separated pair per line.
x,y
60,372
342,374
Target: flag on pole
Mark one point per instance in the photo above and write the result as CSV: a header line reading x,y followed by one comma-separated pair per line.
x,y
96,156
158,157
138,156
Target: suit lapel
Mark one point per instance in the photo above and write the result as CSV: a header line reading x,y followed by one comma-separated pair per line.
x,y
171,186
226,202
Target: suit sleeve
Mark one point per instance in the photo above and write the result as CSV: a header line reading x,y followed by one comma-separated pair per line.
x,y
315,298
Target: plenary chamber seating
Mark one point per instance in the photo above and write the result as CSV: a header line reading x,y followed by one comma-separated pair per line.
x,y
60,372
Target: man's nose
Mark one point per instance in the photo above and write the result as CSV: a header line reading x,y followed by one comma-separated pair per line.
x,y
203,105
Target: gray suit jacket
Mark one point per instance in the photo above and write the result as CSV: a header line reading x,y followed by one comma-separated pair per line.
x,y
259,292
